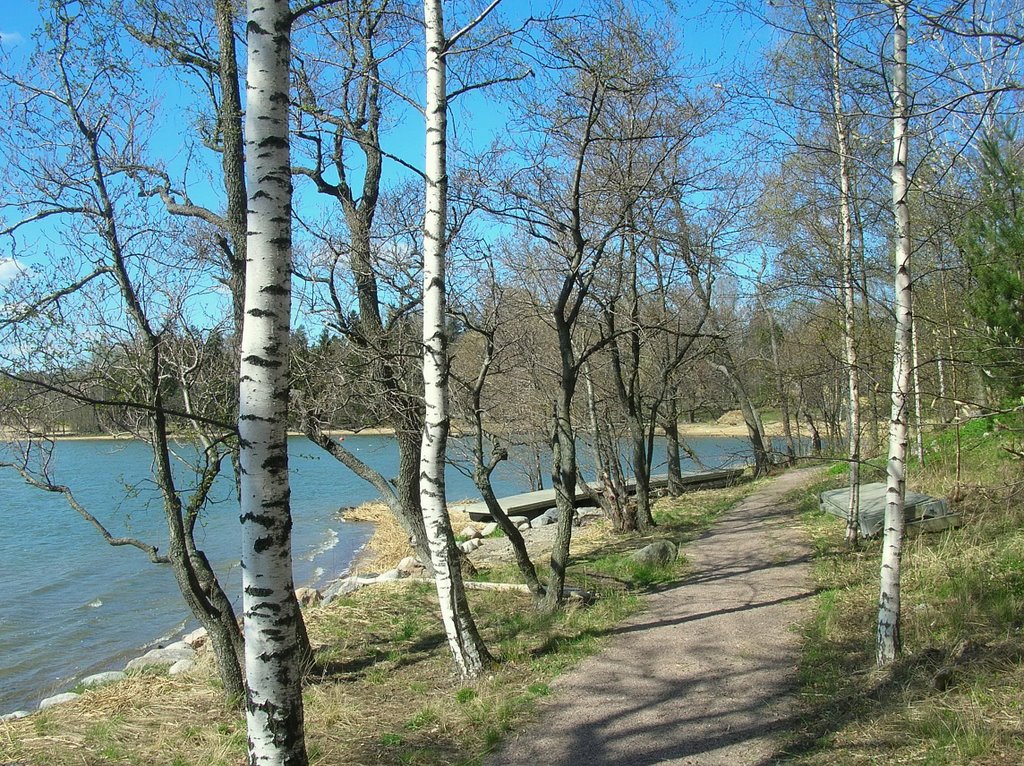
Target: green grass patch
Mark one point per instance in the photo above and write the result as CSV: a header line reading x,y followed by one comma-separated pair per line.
x,y
953,697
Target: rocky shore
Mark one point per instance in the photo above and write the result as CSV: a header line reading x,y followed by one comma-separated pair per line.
x,y
177,657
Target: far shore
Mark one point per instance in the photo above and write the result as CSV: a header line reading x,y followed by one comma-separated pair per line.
x,y
700,429
7,435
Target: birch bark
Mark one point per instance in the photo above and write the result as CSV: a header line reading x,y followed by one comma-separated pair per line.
x,y
274,714
467,648
849,303
888,632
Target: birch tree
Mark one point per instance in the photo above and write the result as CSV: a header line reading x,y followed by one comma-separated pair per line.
x,y
464,640
274,713
887,642
844,158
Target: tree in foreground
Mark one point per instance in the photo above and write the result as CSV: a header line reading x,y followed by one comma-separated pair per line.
x,y
888,634
464,640
274,714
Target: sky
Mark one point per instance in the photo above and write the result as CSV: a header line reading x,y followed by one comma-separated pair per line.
x,y
710,32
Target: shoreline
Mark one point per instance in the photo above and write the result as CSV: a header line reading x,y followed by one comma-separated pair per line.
x,y
7,436
708,428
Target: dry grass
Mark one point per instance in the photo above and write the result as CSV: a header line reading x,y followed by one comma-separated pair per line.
x,y
389,543
954,696
145,719
383,690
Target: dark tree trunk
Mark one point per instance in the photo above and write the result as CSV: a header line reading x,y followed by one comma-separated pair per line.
x,y
675,467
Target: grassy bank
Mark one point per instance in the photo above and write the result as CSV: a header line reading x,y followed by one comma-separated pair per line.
x,y
383,690
955,696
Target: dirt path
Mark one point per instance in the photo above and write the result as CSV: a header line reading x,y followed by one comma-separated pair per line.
x,y
704,675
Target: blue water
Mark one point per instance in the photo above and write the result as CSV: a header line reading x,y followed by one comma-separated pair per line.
x,y
73,605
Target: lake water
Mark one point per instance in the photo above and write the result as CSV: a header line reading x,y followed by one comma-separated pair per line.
x,y
73,605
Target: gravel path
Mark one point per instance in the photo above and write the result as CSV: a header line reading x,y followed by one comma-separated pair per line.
x,y
705,674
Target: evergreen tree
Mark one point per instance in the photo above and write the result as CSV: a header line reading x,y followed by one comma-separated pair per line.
x,y
993,248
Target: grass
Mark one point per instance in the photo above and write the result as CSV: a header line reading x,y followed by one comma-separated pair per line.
x,y
954,696
383,690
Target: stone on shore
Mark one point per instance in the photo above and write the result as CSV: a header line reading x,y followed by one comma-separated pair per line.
x,y
518,520
58,699
181,666
344,586
15,715
410,565
488,529
658,553
196,638
390,576
308,596
164,657
470,532
100,679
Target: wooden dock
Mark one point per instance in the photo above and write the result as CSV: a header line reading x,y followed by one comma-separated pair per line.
x,y
531,504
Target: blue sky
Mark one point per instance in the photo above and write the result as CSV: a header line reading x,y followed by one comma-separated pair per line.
x,y
710,33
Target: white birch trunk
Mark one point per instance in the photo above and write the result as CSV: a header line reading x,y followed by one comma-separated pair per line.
x,y
467,649
849,304
274,715
888,634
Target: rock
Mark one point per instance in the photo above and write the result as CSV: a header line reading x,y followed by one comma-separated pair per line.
x,y
517,520
390,576
466,546
15,715
470,532
308,596
196,638
410,565
489,529
99,679
58,699
164,657
475,543
523,527
181,666
658,553
542,521
341,587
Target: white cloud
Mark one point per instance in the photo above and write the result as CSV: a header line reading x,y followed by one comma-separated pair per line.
x,y
9,269
10,39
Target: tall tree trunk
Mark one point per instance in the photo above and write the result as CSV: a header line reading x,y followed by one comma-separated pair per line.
x,y
888,633
465,643
751,417
564,472
780,386
274,714
849,302
675,468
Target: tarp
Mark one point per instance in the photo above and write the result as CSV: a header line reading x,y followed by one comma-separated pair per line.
x,y
916,509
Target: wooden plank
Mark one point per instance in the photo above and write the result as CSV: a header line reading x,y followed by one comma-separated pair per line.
x,y
534,503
